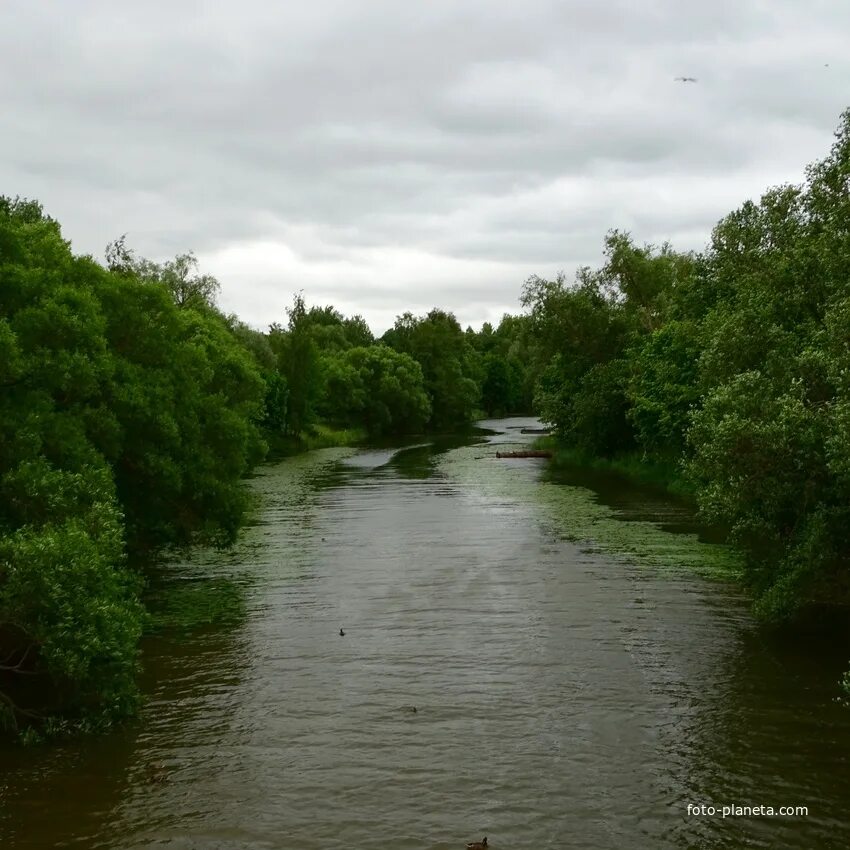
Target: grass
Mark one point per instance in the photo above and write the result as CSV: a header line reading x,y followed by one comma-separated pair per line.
x,y
325,437
664,475
316,437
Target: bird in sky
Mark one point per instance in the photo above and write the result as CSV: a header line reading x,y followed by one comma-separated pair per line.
x,y
685,79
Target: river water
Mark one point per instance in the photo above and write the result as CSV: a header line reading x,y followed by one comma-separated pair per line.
x,y
580,667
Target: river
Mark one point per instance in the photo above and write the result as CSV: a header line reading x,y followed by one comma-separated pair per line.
x,y
581,664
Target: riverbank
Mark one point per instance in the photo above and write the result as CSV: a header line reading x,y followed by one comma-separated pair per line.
x,y
316,437
184,603
323,436
663,475
830,602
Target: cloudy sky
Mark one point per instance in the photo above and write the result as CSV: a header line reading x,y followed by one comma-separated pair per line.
x,y
386,156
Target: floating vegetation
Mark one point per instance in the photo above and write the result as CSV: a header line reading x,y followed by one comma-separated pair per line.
x,y
575,513
194,602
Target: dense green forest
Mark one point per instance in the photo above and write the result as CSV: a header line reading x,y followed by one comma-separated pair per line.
x,y
131,408
730,369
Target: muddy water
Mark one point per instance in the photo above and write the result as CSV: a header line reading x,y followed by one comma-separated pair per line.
x,y
581,663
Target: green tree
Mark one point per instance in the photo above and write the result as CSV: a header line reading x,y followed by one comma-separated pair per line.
x,y
180,276
127,416
69,615
767,445
380,390
449,364
497,392
579,330
662,389
186,401
357,333
300,364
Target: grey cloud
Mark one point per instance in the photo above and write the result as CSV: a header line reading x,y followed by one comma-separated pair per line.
x,y
408,154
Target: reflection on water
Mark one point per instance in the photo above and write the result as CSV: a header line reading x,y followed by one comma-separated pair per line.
x,y
575,686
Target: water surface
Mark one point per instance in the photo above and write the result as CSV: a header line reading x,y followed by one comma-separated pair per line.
x,y
581,662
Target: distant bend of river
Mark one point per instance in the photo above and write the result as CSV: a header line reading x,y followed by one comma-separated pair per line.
x,y
580,669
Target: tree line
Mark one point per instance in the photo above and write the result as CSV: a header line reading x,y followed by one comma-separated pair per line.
x,y
131,408
424,374
731,369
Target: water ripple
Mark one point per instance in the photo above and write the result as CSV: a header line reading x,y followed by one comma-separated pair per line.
x,y
566,696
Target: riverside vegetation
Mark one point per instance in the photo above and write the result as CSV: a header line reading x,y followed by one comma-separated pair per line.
x,y
131,408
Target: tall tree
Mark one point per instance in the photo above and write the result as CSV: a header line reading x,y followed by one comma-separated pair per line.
x,y
299,363
449,364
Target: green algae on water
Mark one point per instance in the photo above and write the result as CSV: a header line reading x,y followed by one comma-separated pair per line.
x,y
575,513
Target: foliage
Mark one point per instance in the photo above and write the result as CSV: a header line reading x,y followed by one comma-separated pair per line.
x,y
734,364
128,416
194,602
69,615
380,390
448,364
581,332
299,363
184,405
179,277
326,437
662,391
275,406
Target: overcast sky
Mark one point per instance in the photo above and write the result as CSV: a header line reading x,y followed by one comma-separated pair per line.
x,y
386,156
